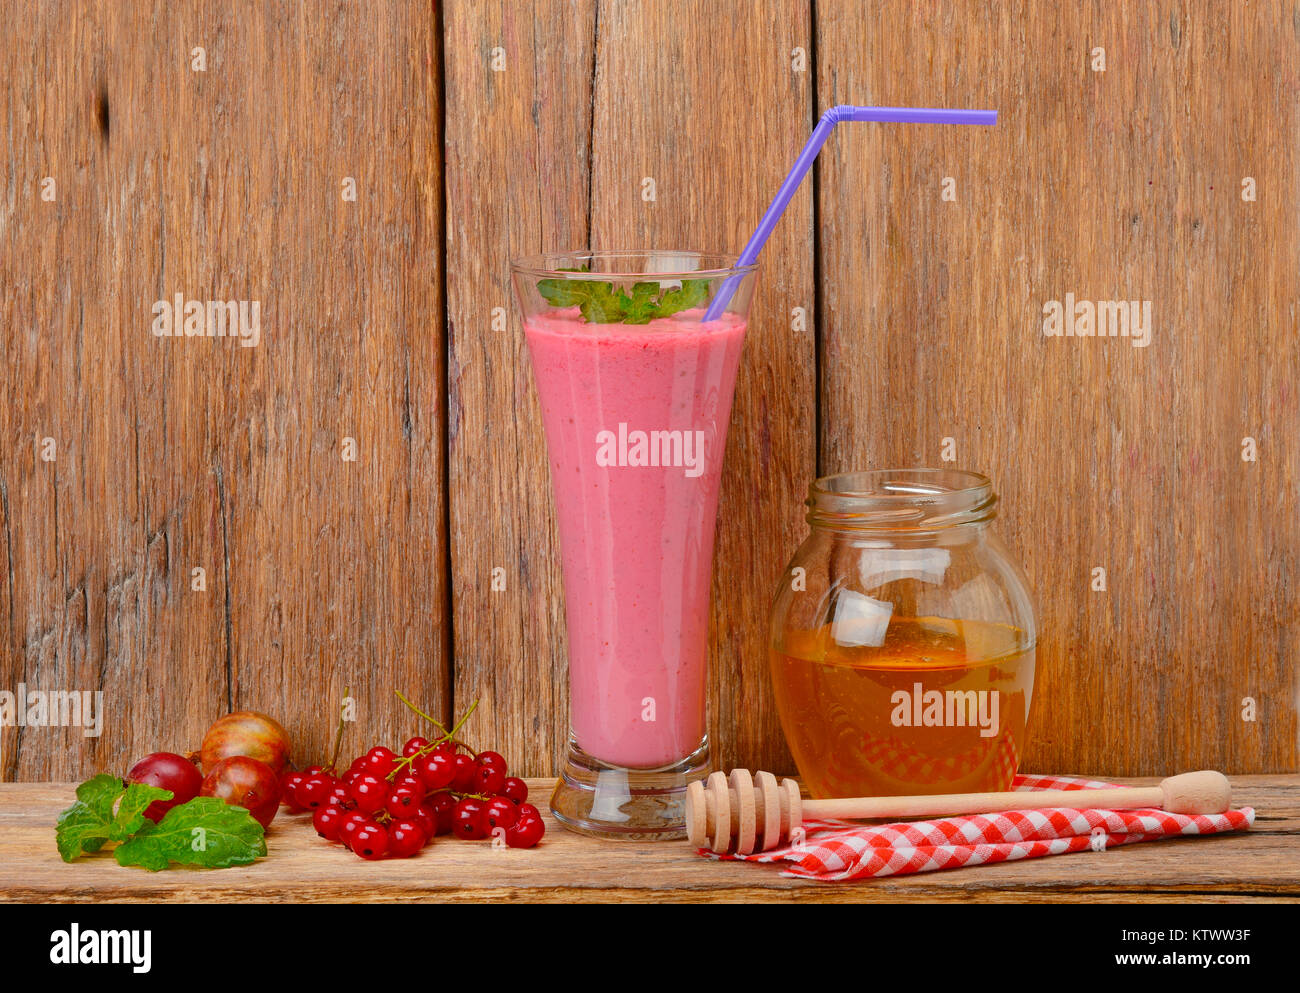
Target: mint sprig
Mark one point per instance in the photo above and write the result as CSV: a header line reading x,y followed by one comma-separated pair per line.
x,y
692,293
205,831
602,303
130,811
97,817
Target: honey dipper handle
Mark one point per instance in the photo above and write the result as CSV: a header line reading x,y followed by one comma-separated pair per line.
x,y
980,803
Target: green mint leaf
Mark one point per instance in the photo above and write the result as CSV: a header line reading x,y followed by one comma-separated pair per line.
x,y
130,812
640,306
563,292
603,304
206,832
692,293
86,825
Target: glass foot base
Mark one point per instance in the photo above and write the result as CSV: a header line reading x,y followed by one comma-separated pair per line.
x,y
606,801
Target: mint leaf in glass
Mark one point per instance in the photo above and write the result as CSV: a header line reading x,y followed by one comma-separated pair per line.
x,y
692,293
563,292
601,303
640,307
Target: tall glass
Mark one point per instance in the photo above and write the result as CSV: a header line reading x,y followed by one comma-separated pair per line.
x,y
635,389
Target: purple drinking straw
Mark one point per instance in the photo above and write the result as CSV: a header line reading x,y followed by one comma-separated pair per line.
x,y
832,117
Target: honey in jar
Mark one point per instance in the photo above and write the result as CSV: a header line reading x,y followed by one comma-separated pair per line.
x,y
902,639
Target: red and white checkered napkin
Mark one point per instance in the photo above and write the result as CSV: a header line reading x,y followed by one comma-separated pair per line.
x,y
838,850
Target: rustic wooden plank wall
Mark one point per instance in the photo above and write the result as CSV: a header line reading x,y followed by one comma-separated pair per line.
x,y
175,454
518,172
923,323
1122,184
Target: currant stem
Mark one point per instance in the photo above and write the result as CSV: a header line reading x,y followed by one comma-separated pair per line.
x,y
447,736
432,720
451,735
338,735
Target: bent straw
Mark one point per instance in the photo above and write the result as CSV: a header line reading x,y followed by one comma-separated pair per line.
x,y
832,117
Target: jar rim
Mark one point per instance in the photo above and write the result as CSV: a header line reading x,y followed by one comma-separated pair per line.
x,y
917,499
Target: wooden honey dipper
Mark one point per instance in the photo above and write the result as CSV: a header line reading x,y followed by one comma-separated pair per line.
x,y
744,814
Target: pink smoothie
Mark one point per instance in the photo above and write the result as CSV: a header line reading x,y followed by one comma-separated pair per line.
x,y
636,425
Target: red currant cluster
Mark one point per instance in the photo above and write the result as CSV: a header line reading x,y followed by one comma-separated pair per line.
x,y
391,806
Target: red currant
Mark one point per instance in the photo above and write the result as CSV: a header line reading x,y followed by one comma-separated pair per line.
x,y
515,789
463,780
489,779
315,790
380,761
351,822
443,807
525,832
413,745
313,770
289,785
468,820
328,820
370,793
370,841
528,810
427,820
339,795
405,838
435,770
493,759
500,813
407,779
402,802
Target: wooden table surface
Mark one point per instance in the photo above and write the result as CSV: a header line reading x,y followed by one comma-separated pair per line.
x,y
1262,864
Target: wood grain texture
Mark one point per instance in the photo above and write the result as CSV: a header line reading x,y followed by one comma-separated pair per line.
x,y
925,321
176,453
1122,184
517,176
1258,865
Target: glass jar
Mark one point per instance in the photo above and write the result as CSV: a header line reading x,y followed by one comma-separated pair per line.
x,y
902,638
